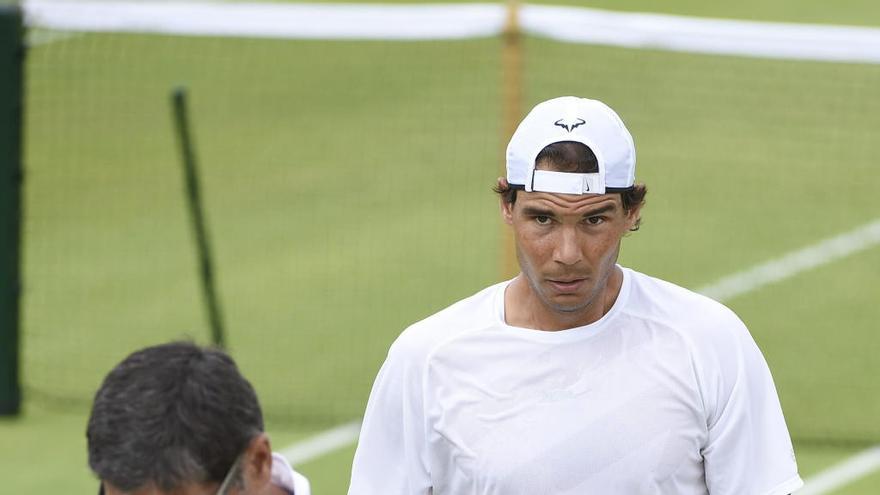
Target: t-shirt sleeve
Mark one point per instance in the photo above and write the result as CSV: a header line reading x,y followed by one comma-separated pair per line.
x,y
391,455
748,448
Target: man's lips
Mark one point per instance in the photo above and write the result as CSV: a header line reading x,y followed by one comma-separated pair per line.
x,y
567,284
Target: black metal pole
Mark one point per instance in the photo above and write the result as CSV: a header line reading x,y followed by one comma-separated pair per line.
x,y
11,91
206,264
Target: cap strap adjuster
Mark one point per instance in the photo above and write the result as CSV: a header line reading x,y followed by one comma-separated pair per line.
x,y
566,182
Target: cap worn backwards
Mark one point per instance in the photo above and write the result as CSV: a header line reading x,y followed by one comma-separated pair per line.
x,y
569,118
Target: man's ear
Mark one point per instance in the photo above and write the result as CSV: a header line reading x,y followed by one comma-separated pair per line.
x,y
633,215
257,464
506,208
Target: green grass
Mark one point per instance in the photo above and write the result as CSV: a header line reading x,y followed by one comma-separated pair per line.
x,y
45,435
324,198
814,356
347,191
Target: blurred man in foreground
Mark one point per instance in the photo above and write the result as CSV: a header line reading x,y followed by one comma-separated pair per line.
x,y
579,376
179,419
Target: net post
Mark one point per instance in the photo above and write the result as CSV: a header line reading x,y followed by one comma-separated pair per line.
x,y
11,174
512,93
194,200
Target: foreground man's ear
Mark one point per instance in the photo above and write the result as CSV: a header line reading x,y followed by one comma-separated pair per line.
x,y
633,215
257,464
506,208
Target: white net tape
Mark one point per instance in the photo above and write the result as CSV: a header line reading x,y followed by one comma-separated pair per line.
x,y
439,21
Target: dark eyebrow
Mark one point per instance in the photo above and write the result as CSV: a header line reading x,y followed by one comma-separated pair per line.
x,y
599,211
532,211
535,211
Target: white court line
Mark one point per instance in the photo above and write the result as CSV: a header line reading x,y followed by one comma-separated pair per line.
x,y
795,262
775,270
322,443
842,473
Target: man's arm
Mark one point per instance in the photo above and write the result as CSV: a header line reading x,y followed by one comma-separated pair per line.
x,y
748,449
391,457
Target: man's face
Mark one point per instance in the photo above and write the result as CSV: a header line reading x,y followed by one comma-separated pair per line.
x,y
567,245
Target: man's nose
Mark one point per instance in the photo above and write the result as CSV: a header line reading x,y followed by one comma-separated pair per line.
x,y
568,249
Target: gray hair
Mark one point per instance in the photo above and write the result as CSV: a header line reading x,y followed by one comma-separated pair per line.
x,y
169,415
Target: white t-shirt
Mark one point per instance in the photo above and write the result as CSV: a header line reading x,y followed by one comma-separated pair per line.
x,y
285,477
665,394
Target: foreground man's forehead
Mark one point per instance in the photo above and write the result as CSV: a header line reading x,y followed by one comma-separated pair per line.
x,y
575,202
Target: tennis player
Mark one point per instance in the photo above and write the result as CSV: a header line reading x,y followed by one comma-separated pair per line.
x,y
179,419
579,376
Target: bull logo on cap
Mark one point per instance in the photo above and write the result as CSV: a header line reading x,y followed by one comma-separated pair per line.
x,y
569,125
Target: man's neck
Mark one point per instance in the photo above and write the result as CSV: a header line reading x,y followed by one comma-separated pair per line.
x,y
523,308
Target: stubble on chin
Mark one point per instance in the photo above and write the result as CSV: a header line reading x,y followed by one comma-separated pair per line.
x,y
581,305
547,301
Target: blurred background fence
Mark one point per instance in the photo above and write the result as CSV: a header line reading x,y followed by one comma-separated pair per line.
x,y
347,155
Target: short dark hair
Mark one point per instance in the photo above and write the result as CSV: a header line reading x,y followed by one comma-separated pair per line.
x,y
171,414
575,157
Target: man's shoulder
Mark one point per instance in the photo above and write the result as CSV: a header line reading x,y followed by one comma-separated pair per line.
x,y
712,332
472,313
668,303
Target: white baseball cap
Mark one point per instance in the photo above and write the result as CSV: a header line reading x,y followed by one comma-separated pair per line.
x,y
569,118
